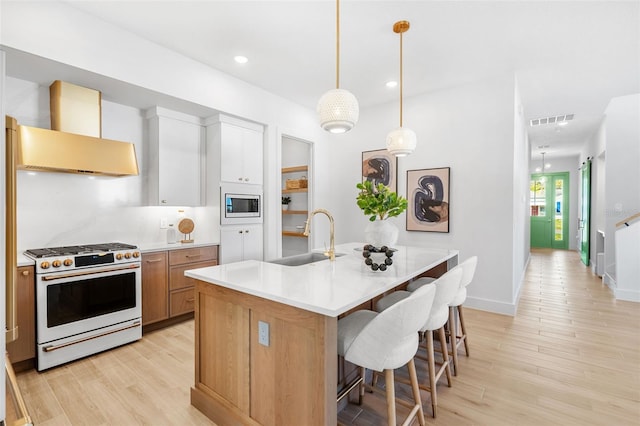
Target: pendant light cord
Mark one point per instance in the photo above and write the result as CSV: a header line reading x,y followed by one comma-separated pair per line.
x,y
337,44
401,82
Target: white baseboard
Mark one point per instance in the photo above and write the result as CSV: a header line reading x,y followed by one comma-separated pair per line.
x,y
490,305
628,295
609,281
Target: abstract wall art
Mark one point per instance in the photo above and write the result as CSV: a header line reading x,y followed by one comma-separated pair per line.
x,y
380,166
428,195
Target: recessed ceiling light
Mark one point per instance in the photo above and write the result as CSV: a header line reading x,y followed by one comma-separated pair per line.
x,y
562,123
241,59
391,84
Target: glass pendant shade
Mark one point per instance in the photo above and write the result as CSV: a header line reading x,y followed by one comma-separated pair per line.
x,y
338,111
401,141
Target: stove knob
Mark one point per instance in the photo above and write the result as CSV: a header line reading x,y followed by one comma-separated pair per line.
x,y
67,262
119,256
127,255
136,254
56,263
44,265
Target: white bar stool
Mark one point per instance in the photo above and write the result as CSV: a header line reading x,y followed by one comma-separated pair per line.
x,y
457,334
359,341
446,289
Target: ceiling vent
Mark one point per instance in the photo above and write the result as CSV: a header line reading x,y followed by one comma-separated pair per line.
x,y
551,120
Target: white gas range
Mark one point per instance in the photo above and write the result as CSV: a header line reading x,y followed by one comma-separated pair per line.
x,y
88,299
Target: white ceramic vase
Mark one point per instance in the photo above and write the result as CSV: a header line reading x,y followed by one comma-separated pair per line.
x,y
381,233
285,207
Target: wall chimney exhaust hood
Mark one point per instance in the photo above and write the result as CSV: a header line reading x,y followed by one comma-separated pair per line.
x,y
74,145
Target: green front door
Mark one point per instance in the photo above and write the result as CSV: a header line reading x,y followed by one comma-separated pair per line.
x,y
550,210
584,220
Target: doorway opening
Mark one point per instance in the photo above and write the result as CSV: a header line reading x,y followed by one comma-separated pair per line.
x,y
296,193
549,210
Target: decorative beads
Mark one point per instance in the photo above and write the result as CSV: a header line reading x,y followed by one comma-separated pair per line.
x,y
366,253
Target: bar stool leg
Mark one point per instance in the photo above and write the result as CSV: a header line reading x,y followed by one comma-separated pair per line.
x,y
416,390
391,397
453,338
464,330
445,355
363,373
432,372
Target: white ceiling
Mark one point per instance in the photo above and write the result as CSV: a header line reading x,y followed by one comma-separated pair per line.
x,y
569,57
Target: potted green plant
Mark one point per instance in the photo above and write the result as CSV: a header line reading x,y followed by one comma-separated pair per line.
x,y
380,203
285,202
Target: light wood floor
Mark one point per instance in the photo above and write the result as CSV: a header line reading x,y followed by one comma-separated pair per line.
x,y
571,356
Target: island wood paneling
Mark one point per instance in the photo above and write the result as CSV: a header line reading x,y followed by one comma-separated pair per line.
x,y
223,347
284,383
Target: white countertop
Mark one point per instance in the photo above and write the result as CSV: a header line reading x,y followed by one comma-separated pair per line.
x,y
25,260
328,288
151,247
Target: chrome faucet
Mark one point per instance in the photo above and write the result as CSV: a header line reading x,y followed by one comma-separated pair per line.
x,y
331,253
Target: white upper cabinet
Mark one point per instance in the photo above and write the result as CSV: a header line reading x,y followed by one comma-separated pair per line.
x,y
175,158
241,153
234,153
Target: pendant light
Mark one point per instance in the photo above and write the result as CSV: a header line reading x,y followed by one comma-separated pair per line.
x,y
338,109
401,141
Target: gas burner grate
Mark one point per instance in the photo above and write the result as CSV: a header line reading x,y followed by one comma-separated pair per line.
x,y
110,247
74,250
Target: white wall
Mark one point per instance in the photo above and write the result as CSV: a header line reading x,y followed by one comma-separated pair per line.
x,y
595,147
521,222
471,130
622,183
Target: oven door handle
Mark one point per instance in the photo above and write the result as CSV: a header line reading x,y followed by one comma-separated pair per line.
x,y
75,342
89,272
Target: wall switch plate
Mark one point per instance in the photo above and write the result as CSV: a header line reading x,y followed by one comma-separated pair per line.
x,y
263,333
163,223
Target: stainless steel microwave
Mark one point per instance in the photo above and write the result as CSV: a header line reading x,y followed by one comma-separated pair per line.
x,y
240,205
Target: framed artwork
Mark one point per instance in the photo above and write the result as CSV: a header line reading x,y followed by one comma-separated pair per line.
x,y
380,166
428,197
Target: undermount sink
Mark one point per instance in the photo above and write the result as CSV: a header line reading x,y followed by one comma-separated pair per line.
x,y
302,259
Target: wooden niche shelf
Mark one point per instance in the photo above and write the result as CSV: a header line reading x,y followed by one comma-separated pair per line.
x,y
294,169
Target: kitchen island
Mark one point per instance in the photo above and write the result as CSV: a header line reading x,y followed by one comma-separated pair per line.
x,y
266,334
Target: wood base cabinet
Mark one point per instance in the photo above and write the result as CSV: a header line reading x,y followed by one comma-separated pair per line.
x,y
166,292
155,287
181,293
24,347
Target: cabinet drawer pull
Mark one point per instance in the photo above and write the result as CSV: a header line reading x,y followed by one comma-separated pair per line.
x,y
191,299
193,255
153,260
25,273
